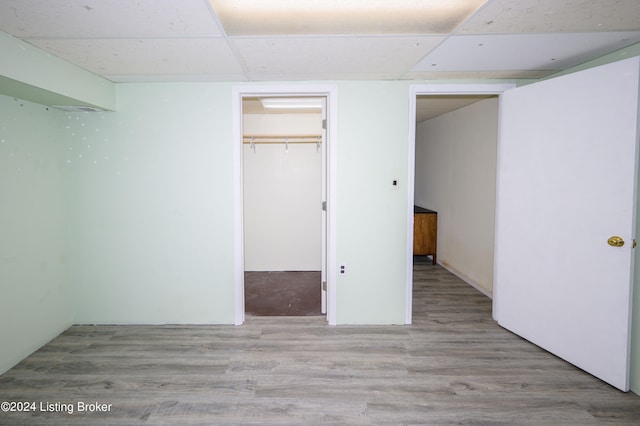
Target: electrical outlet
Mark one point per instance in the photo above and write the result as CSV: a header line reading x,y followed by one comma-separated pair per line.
x,y
394,184
343,270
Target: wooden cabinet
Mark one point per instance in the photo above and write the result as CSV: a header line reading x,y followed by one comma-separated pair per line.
x,y
425,230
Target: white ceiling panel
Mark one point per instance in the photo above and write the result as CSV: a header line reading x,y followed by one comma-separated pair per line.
x,y
332,55
308,76
336,17
106,19
475,75
245,40
522,51
554,16
146,56
176,78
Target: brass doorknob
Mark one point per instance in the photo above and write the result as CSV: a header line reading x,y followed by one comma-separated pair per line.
x,y
615,241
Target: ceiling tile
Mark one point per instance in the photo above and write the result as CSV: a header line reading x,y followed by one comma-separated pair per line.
x,y
477,75
103,19
522,51
310,76
554,16
332,55
339,17
176,78
146,56
182,40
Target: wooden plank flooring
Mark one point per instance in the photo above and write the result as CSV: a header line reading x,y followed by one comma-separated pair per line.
x,y
454,365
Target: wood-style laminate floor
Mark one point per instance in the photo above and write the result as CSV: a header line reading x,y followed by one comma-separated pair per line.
x,y
454,365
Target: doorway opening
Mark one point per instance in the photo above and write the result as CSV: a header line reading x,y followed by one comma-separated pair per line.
x,y
284,201
282,196
452,166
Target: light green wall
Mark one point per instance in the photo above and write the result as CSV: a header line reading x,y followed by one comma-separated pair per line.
x,y
27,72
152,206
372,218
151,198
34,293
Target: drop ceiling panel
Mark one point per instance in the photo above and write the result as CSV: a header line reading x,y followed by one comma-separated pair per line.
x,y
146,56
307,76
102,19
475,75
335,17
522,51
332,55
177,78
554,16
184,40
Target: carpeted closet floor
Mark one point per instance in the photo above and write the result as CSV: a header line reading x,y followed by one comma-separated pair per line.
x,y
286,293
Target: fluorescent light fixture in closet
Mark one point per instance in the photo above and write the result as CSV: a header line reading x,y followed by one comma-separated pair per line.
x,y
342,17
291,103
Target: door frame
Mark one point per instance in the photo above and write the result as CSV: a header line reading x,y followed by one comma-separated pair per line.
x,y
330,92
416,90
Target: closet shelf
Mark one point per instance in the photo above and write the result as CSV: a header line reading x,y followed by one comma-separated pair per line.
x,y
279,139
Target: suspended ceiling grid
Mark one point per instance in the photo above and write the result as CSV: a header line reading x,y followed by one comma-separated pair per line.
x,y
289,40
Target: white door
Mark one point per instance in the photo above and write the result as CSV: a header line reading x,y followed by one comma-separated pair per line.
x,y
566,184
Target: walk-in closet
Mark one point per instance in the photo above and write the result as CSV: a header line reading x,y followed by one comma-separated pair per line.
x,y
282,205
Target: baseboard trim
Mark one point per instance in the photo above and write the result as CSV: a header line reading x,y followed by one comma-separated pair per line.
x,y
466,279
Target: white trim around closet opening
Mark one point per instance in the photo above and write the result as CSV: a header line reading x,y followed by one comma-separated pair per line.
x,y
331,93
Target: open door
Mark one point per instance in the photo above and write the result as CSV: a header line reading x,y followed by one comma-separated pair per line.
x,y
566,184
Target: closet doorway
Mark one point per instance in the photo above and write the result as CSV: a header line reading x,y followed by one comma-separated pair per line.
x,y
283,190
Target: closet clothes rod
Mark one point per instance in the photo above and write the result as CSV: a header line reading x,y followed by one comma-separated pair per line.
x,y
279,139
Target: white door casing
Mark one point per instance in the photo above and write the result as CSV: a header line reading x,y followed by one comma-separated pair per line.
x,y
567,164
330,138
414,91
323,278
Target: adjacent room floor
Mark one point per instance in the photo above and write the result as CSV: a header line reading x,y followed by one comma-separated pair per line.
x,y
283,293
454,365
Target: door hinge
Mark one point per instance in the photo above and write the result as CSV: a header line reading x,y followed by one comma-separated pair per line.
x,y
324,124
324,206
634,243
324,285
